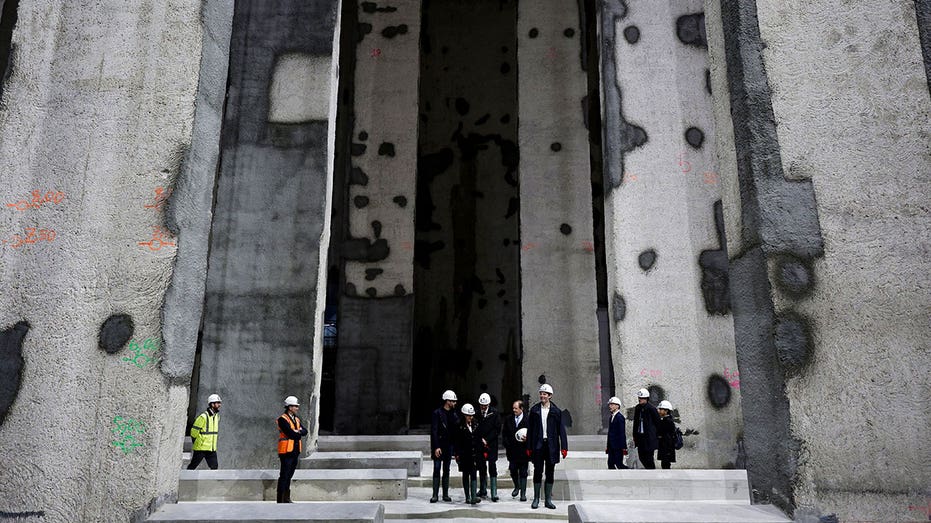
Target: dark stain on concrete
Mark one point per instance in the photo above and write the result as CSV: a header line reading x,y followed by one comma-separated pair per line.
x,y
360,201
363,29
363,136
923,13
424,249
22,515
399,290
719,391
376,228
505,118
715,284
513,207
794,276
632,34
646,259
372,7
391,31
565,229
358,177
371,292
505,68
541,379
695,137
657,394
386,149
483,119
357,149
691,30
708,80
793,341
11,365
400,200
365,250
429,166
619,307
115,331
462,106
371,274
569,32
534,32
555,147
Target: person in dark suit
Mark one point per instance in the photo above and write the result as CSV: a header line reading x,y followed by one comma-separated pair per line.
x,y
546,439
666,434
469,452
616,447
489,425
646,420
516,448
443,427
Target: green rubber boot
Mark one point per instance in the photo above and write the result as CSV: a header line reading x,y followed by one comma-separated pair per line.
x,y
446,489
494,488
536,495
516,479
466,487
523,489
475,499
436,490
483,483
548,490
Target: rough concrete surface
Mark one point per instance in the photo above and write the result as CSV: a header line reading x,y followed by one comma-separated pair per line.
x,y
95,120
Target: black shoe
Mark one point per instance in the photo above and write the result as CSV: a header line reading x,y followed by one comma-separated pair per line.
x,y
434,499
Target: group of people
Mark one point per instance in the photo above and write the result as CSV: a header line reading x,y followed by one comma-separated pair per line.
x,y
538,437
206,428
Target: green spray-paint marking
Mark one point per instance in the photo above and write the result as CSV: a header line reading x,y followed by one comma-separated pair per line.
x,y
145,355
126,431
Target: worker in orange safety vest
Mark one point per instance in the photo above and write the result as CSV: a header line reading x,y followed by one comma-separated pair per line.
x,y
290,432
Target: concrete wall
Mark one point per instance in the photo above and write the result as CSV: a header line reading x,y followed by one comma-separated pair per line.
x,y
263,310
558,296
467,272
830,110
97,120
667,268
377,244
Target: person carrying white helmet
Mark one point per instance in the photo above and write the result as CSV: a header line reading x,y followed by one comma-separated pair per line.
x,y
469,452
205,432
515,446
443,424
290,432
489,425
616,447
546,440
666,435
646,419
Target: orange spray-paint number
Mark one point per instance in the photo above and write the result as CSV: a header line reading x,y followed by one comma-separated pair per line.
x,y
38,200
159,240
31,236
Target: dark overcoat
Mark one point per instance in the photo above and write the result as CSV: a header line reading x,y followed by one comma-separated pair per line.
x,y
469,449
555,432
489,426
516,450
666,436
443,428
617,433
645,440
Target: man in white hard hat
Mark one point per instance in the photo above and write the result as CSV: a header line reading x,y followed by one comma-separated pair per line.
x,y
546,439
646,419
616,447
290,432
443,425
514,434
666,434
489,425
204,432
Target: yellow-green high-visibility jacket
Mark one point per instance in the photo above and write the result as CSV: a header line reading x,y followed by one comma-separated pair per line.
x,y
205,430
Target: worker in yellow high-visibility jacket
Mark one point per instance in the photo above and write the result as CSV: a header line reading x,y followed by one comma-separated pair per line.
x,y
205,430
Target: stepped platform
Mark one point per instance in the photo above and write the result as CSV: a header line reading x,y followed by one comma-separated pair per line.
x,y
409,460
270,512
673,512
306,485
421,442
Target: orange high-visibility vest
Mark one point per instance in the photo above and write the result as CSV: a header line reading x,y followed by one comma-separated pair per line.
x,y
285,443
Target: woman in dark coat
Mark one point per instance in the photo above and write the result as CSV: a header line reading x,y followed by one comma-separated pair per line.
x,y
469,452
666,435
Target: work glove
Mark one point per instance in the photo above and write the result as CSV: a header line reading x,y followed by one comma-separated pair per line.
x,y
529,453
624,451
564,452
606,450
485,455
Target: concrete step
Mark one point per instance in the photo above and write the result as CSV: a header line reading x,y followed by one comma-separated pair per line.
x,y
409,460
306,485
262,512
418,507
673,511
421,442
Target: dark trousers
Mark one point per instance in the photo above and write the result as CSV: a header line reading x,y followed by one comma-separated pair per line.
x,y
542,460
665,464
491,470
200,455
288,465
616,459
646,458
444,462
517,470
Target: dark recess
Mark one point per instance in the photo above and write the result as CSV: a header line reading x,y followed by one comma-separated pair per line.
x,y
11,365
115,332
8,17
719,391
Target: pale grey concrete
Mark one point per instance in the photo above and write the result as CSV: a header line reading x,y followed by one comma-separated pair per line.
x,y
306,485
558,296
675,512
261,512
405,460
407,442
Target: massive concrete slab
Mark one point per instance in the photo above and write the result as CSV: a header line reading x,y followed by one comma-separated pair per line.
x,y
262,512
672,511
405,460
419,442
306,485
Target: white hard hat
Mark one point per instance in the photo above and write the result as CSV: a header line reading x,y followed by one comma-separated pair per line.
x,y
521,434
291,400
665,405
449,395
615,400
546,388
214,398
468,409
643,393
484,399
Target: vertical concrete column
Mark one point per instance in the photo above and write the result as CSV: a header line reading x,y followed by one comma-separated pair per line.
x,y
667,268
830,109
375,315
558,296
101,210
262,325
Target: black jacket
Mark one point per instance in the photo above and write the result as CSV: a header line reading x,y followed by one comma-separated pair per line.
x,y
469,449
516,450
645,440
488,427
666,435
617,433
555,432
442,431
